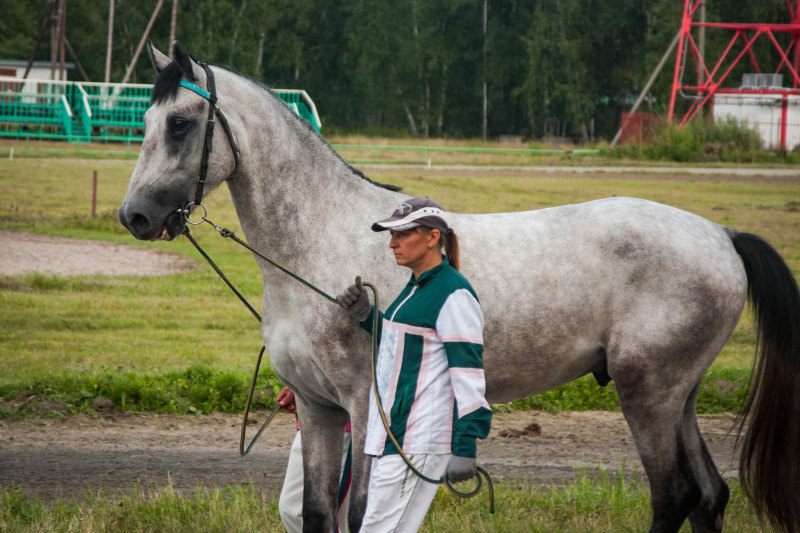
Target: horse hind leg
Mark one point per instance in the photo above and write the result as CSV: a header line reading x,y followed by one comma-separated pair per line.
x,y
709,512
674,490
655,402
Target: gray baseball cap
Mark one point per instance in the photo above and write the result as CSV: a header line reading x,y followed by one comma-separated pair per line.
x,y
415,212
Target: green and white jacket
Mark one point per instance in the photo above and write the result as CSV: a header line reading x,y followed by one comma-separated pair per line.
x,y
430,369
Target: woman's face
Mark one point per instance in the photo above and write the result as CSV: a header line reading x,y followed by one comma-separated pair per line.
x,y
417,248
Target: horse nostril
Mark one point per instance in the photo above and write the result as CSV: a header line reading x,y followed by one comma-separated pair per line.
x,y
139,223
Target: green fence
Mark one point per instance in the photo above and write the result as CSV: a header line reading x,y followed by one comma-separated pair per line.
x,y
87,111
38,108
116,111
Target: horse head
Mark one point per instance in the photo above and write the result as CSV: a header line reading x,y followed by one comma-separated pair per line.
x,y
164,181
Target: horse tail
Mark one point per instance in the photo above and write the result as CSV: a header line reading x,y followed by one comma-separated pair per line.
x,y
769,465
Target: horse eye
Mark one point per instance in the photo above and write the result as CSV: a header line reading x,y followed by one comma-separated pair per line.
x,y
178,124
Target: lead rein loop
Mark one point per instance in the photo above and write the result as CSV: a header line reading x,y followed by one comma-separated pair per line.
x,y
224,232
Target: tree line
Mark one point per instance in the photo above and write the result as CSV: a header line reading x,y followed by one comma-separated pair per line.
x,y
456,68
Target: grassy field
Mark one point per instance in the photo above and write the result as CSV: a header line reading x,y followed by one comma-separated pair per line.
x,y
594,501
181,343
83,333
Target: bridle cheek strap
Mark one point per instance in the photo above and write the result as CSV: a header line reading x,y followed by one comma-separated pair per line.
x,y
208,144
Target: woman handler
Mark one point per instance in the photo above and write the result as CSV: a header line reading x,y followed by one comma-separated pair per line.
x,y
429,370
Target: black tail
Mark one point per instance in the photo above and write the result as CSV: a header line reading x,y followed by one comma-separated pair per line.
x,y
769,466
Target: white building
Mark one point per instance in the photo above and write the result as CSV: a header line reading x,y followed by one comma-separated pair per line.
x,y
10,68
773,116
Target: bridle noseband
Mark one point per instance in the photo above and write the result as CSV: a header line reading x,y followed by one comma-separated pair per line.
x,y
211,96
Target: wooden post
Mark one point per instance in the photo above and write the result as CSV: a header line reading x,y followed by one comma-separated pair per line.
x,y
54,40
484,107
647,86
107,77
172,24
42,30
141,43
94,194
62,36
77,61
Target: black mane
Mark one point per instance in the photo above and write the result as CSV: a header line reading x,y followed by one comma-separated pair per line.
x,y
168,82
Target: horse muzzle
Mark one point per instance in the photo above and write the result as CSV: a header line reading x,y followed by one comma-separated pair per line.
x,y
147,225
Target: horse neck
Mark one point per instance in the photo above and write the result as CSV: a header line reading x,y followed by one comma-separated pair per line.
x,y
292,193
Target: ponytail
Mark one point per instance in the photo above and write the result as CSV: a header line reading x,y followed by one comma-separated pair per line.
x,y
451,250
448,245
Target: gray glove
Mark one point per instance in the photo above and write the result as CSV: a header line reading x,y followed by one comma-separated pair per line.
x,y
460,468
355,301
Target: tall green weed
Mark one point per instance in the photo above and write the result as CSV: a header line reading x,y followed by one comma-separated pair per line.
x,y
700,141
195,390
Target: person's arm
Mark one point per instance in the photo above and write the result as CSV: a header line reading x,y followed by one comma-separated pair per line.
x,y
367,324
460,326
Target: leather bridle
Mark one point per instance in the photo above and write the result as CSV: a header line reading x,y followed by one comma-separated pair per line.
x,y
211,96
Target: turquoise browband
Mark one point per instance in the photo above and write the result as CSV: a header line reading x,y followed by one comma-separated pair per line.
x,y
199,90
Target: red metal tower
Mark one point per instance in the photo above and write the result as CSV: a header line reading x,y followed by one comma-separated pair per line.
x,y
707,82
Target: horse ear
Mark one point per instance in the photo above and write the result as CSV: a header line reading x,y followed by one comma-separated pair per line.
x,y
188,66
157,58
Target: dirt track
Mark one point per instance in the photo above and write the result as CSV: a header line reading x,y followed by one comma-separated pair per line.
x,y
25,253
63,458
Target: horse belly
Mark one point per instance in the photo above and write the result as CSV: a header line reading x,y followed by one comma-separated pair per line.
x,y
556,284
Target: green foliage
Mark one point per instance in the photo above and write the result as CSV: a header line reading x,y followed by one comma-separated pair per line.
x,y
200,389
699,141
196,390
722,390
557,68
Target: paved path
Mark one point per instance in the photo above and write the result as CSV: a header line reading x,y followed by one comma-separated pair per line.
x,y
675,169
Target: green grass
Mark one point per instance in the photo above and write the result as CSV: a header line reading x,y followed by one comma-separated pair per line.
x,y
60,336
596,501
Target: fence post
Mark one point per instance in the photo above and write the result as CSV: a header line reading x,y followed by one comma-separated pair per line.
x,y
94,194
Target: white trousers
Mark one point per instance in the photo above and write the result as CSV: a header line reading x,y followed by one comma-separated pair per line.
x,y
290,504
398,500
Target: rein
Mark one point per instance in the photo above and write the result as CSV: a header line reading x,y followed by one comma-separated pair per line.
x,y
187,208
226,233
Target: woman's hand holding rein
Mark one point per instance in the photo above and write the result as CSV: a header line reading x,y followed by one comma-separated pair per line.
x,y
461,468
355,301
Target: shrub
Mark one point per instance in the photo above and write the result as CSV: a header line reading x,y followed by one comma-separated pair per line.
x,y
700,141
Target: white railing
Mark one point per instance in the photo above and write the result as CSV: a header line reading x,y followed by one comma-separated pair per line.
x,y
65,105
309,102
85,99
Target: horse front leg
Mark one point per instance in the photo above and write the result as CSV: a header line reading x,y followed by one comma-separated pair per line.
x,y
322,428
360,472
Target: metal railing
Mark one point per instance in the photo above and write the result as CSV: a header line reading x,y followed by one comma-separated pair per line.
x,y
97,111
302,104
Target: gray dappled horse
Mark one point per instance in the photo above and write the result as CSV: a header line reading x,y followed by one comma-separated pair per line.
x,y
634,291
